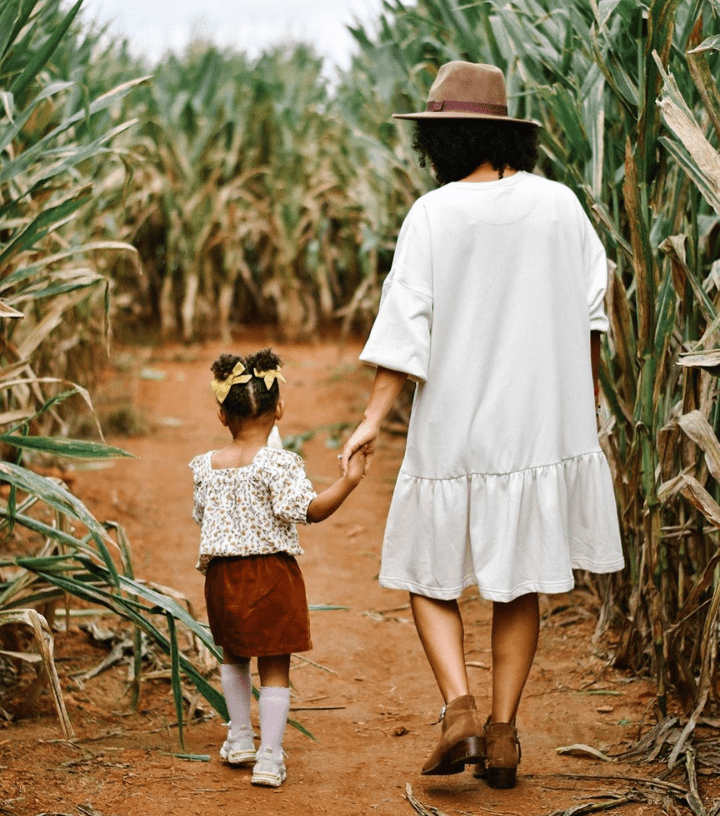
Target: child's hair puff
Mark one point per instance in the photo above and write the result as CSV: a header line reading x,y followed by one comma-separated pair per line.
x,y
252,399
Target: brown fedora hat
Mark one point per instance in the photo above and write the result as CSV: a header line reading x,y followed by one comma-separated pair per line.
x,y
467,90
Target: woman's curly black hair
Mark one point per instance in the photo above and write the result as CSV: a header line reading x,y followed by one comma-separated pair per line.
x,y
252,399
456,147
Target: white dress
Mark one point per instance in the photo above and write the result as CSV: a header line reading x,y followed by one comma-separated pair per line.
x,y
494,290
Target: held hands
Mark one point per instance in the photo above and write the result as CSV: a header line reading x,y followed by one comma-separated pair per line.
x,y
355,471
362,441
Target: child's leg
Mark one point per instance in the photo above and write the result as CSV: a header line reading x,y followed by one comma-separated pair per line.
x,y
274,700
237,688
274,707
440,628
515,627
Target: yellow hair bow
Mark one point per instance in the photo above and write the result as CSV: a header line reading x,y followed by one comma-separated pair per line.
x,y
222,387
269,376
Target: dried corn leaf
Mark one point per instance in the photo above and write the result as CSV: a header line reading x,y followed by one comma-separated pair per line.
x,y
579,749
8,311
708,660
709,360
701,73
26,657
696,494
419,807
698,429
674,247
681,121
44,640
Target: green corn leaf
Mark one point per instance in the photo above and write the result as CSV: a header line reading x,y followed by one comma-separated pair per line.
x,y
8,17
11,133
175,679
685,161
43,54
19,14
24,273
48,531
121,607
45,222
51,493
39,149
73,448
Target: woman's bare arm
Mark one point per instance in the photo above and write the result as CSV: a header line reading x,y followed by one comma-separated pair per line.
x,y
385,390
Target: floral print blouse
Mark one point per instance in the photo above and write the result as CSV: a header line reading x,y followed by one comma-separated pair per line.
x,y
250,510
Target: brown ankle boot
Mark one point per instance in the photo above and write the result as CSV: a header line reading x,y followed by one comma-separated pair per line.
x,y
461,740
503,753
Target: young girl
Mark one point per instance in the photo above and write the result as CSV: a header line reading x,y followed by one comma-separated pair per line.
x,y
493,305
248,499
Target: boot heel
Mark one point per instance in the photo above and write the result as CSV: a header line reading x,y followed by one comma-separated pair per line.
x,y
467,752
501,777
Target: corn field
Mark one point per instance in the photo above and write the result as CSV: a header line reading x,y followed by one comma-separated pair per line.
x,y
215,190
54,308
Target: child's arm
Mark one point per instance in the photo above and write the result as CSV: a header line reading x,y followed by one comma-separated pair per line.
x,y
327,502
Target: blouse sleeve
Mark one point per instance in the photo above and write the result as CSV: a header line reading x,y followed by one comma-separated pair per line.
x,y
596,274
290,490
199,489
400,337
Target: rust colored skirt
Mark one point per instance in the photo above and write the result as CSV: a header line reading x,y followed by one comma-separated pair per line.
x,y
257,606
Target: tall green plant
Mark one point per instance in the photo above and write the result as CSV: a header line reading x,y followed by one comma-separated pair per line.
x,y
52,141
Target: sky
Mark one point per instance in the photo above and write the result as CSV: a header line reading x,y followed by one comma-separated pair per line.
x,y
155,26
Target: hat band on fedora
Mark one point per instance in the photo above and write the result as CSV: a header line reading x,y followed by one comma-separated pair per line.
x,y
466,107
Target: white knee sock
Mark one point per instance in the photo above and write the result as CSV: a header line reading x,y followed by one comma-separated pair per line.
x,y
274,708
237,688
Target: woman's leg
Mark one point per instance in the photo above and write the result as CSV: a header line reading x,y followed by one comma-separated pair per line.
x,y
515,627
440,628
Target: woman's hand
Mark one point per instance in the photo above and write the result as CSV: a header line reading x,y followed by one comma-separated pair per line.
x,y
365,437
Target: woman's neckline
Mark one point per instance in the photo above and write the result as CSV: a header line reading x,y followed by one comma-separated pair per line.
x,y
506,181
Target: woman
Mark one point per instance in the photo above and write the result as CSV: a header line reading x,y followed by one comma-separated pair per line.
x,y
493,306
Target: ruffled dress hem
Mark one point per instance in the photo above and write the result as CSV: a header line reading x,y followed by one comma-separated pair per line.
x,y
510,533
489,594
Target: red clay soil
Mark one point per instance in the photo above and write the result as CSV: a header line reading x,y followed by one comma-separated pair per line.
x,y
368,696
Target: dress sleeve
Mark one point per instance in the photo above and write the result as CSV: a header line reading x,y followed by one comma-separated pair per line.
x,y
596,275
290,490
400,337
199,489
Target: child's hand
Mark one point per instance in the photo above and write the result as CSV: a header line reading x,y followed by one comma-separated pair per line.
x,y
356,467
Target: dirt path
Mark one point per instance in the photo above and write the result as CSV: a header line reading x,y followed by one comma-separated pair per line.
x,y
368,697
